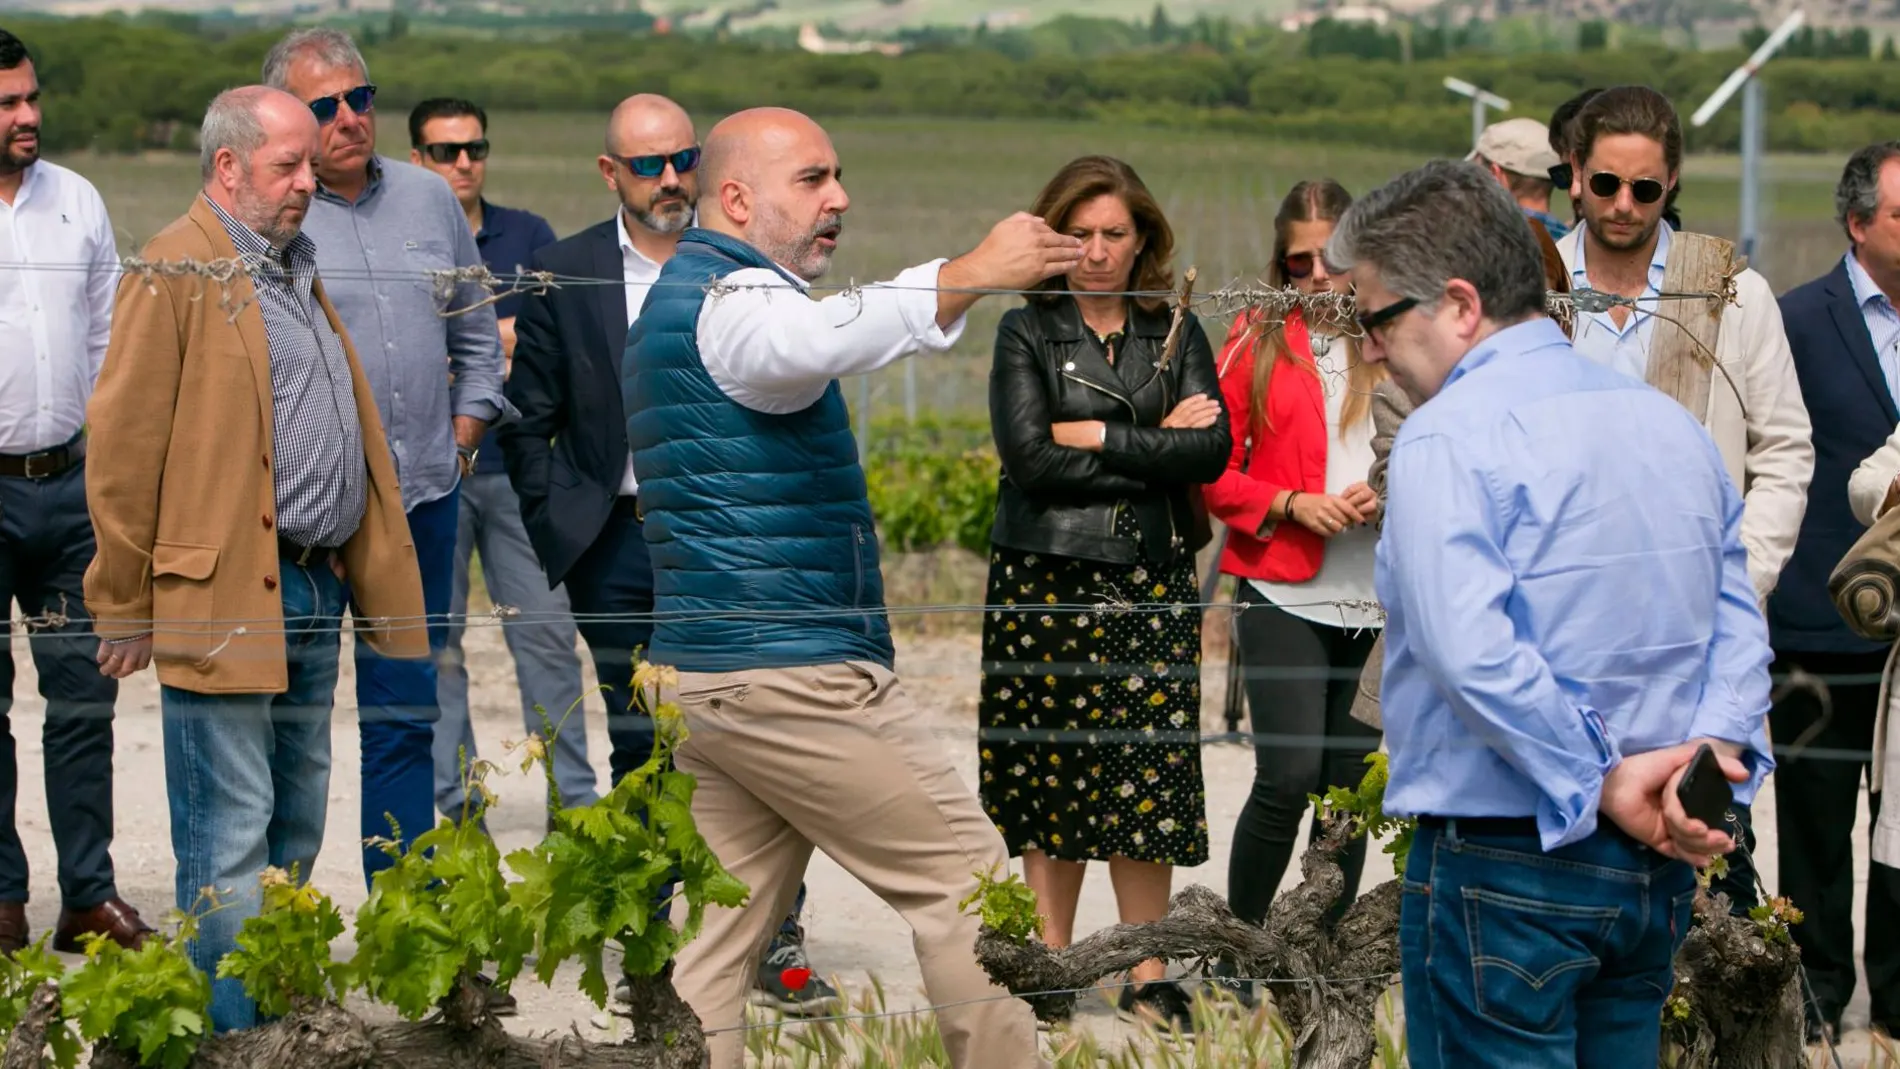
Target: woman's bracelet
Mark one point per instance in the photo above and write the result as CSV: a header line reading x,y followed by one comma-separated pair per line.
x,y
1287,509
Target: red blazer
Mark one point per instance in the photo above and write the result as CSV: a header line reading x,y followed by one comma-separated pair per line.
x,y
1264,462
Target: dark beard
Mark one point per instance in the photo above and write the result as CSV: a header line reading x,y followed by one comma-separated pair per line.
x,y
14,160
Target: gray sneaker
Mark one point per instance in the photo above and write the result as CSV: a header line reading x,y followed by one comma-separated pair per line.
x,y
787,982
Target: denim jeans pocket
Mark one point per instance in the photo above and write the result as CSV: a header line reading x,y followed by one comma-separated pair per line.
x,y
1528,957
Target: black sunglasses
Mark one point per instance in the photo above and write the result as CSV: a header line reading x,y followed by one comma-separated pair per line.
x,y
446,152
1372,321
683,161
1562,175
1606,185
1298,264
361,100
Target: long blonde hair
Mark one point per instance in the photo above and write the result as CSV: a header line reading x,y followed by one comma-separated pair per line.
x,y
1318,200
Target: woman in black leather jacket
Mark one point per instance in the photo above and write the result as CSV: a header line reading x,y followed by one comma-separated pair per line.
x,y
1090,706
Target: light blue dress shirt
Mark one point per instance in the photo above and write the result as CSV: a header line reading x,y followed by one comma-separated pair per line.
x,y
1883,323
1564,582
1624,348
374,255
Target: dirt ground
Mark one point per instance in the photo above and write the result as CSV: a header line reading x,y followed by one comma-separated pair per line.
x,y
851,934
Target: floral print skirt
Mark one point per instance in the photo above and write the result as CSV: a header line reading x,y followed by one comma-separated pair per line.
x,y
1090,717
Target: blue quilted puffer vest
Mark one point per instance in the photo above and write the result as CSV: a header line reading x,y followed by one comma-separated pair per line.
x,y
764,552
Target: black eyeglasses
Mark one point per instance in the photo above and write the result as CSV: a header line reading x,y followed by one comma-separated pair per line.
x,y
1372,321
446,152
1562,175
361,100
1298,264
1606,184
683,161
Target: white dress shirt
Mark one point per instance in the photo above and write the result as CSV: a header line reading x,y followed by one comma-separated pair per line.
x,y
772,348
58,273
639,273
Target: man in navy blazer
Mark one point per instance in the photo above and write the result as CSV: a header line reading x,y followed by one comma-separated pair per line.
x,y
567,455
1845,335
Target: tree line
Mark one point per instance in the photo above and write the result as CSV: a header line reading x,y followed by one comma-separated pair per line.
x,y
123,85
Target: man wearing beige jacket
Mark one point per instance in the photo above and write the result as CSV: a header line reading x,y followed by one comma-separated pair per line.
x,y
238,478
1628,151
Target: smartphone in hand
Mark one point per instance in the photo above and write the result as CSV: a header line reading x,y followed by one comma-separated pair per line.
x,y
1704,791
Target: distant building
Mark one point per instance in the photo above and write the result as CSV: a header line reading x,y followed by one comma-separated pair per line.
x,y
1366,13
811,40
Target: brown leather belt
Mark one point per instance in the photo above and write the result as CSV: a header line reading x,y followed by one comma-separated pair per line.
x,y
44,465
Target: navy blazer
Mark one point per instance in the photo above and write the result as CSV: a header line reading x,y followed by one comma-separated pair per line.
x,y
1853,414
567,452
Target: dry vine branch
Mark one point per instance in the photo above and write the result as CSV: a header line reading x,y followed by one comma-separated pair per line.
x,y
1331,1019
27,1044
323,1035
1741,991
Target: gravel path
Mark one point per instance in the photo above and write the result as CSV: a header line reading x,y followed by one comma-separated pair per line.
x,y
851,934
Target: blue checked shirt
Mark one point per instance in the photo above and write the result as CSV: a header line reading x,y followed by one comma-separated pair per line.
x,y
318,471
1548,609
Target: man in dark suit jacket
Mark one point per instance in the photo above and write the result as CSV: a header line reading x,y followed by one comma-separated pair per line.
x,y
567,454
1844,333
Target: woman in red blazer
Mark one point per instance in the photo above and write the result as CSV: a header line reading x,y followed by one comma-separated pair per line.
x,y
1300,539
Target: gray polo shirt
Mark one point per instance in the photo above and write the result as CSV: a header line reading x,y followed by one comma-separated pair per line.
x,y
374,255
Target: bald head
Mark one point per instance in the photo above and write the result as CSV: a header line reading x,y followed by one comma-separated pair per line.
x,y
259,156
772,178
242,119
648,164
646,119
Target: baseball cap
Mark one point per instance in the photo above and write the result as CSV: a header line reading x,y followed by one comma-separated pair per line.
x,y
1521,146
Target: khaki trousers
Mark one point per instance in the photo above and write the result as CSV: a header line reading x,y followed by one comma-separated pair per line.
x,y
834,757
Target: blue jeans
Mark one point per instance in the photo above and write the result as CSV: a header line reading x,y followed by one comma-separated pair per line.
x,y
248,779
1519,959
396,700
541,640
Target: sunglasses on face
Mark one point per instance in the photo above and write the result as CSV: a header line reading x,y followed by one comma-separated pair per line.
x,y
1562,175
1606,185
1298,264
1369,322
361,100
683,161
446,152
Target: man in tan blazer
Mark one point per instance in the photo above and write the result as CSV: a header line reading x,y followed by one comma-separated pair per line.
x,y
239,478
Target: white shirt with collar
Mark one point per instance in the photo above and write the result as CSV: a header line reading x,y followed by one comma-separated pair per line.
x,y
639,274
1598,338
59,272
772,348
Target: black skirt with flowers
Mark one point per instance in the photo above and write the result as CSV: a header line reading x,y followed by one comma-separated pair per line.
x,y
1090,719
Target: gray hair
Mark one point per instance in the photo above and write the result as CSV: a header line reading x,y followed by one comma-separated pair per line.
x,y
1858,196
1445,220
230,122
333,47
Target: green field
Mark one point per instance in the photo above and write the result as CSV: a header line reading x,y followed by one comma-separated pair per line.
x,y
925,188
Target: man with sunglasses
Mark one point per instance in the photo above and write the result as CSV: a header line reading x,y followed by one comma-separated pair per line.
x,y
450,137
1627,155
381,227
1537,729
567,450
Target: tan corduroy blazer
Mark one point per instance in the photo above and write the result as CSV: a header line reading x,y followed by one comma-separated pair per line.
x,y
178,478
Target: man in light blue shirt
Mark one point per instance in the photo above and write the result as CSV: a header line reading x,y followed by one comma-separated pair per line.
x,y
381,225
1559,640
